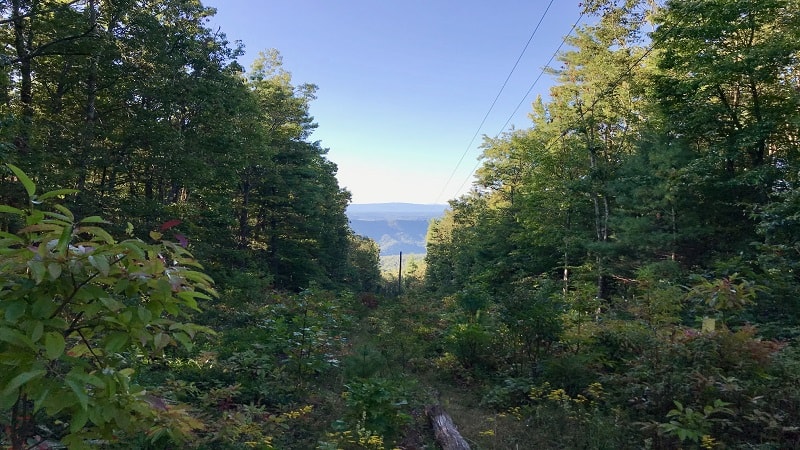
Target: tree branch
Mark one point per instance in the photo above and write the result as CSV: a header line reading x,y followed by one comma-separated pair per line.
x,y
31,14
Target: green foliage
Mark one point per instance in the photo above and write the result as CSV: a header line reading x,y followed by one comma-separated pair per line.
x,y
471,343
77,307
657,186
143,109
284,346
408,332
695,426
512,392
473,299
363,261
532,314
377,404
270,378
365,362
642,233
152,119
730,293
581,420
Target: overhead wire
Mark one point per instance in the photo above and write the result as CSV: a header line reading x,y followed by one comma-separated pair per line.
x,y
491,107
535,82
613,85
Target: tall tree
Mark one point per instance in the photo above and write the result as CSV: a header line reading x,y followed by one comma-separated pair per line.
x,y
143,108
728,89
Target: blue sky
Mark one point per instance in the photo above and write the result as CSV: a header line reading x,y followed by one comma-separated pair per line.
x,y
404,85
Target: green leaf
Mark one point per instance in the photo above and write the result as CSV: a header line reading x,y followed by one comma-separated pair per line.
x,y
11,210
57,193
79,420
172,307
60,219
16,338
26,182
20,380
15,310
135,247
7,401
80,392
38,270
93,219
198,277
189,298
125,317
88,378
184,339
37,332
65,211
116,341
100,263
121,285
54,269
43,308
144,315
98,234
54,345
11,237
161,340
112,304
38,402
38,227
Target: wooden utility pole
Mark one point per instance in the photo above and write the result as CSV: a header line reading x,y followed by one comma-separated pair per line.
x,y
400,275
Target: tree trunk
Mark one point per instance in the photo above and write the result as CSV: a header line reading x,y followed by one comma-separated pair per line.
x,y
23,38
244,210
445,430
90,118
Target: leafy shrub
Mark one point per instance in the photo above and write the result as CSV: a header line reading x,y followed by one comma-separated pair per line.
x,y
377,404
473,342
513,392
570,372
77,307
364,362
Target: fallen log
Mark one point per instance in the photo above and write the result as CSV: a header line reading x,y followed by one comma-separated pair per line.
x,y
444,430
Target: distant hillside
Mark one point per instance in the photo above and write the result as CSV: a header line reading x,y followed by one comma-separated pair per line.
x,y
396,227
390,263
394,211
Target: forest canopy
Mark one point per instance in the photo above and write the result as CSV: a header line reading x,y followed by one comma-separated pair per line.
x,y
131,137
177,268
642,233
143,109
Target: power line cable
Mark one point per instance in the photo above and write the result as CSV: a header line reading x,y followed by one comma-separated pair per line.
x,y
502,88
613,85
536,81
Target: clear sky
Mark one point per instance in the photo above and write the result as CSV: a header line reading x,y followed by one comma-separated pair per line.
x,y
405,84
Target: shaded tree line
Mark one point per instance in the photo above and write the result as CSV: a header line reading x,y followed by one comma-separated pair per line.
x,y
648,211
677,150
144,109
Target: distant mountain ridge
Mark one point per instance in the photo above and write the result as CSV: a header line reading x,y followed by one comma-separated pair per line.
x,y
389,211
396,227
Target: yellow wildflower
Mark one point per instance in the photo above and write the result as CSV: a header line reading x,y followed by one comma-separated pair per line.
x,y
595,390
708,442
580,399
558,395
298,412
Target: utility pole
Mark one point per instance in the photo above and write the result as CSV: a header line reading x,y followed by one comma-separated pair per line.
x,y
400,275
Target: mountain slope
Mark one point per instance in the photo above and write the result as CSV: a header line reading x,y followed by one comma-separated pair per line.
x,y
396,227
